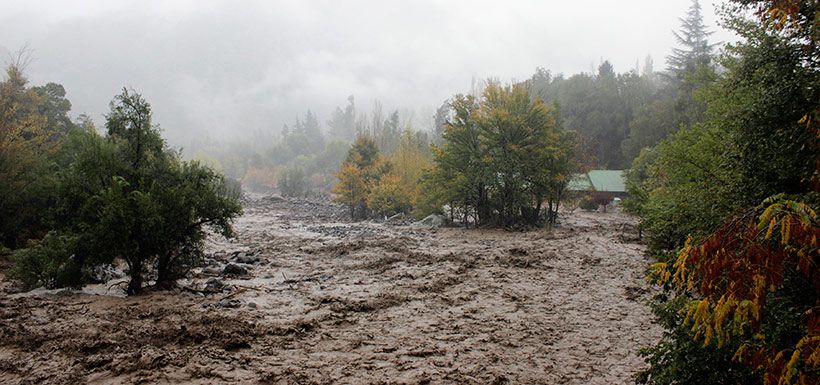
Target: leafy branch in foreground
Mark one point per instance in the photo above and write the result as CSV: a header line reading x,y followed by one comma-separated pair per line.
x,y
743,274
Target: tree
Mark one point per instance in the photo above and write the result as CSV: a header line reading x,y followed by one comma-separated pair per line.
x,y
598,107
502,157
305,138
129,196
351,188
389,134
55,107
360,172
31,129
439,119
410,161
458,177
159,203
695,51
313,132
388,196
675,102
342,123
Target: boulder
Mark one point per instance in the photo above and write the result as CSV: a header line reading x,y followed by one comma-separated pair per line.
x,y
433,220
214,284
247,259
229,303
234,269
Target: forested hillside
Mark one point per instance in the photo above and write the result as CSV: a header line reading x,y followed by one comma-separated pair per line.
x,y
730,203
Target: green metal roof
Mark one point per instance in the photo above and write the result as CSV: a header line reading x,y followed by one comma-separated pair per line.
x,y
598,180
607,180
579,182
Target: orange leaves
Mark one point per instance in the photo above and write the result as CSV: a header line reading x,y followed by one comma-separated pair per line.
x,y
660,273
781,13
736,268
351,188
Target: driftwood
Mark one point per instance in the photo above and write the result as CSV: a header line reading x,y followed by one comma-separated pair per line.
x,y
235,292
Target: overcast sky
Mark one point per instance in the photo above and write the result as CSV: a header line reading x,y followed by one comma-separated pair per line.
x,y
225,68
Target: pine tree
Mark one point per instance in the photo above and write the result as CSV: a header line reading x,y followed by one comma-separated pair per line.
x,y
693,37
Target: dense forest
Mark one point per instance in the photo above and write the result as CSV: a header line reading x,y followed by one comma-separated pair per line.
x,y
610,116
721,152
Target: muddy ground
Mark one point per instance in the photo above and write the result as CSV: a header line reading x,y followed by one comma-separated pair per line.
x,y
325,301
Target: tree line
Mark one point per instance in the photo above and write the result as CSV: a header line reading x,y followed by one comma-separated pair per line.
x,y
74,200
484,171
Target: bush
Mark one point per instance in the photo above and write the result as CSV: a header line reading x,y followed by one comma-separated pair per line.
x,y
292,183
588,204
49,262
387,197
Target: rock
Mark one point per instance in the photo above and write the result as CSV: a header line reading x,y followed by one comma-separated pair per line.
x,y
229,303
102,273
433,220
234,269
214,284
252,305
247,259
273,199
211,271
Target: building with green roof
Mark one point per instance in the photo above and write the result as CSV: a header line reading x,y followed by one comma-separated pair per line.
x,y
609,183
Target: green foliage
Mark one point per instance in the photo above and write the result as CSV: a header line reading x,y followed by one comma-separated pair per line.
x,y
48,262
685,190
388,197
342,122
588,204
600,108
502,157
33,122
409,161
758,139
126,195
292,183
367,183
680,359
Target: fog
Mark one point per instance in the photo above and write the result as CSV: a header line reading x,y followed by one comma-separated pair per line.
x,y
224,69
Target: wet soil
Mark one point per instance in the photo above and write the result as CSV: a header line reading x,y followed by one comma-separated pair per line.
x,y
326,301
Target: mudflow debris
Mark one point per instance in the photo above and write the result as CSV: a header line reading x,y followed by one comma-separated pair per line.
x,y
303,296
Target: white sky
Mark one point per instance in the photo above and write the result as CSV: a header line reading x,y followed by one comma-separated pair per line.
x,y
224,68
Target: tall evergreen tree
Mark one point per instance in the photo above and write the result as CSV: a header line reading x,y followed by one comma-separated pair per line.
x,y
695,49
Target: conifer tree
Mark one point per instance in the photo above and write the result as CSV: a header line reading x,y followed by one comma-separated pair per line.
x,y
695,49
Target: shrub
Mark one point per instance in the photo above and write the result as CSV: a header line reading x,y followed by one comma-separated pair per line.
x,y
48,262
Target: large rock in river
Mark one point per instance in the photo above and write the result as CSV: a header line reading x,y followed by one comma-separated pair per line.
x,y
234,269
433,220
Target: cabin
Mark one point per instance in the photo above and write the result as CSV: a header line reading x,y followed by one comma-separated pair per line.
x,y
600,185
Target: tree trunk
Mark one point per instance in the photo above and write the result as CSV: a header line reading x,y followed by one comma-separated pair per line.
x,y
135,285
465,213
164,278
